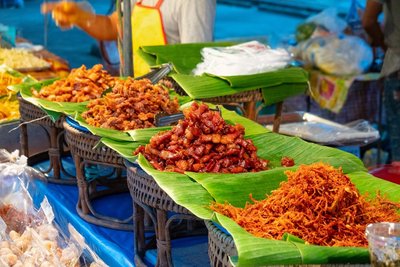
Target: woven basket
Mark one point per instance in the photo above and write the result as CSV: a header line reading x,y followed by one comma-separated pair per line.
x,y
84,145
241,97
30,112
144,189
221,246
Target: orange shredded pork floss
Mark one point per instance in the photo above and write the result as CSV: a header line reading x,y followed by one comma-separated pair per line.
x,y
317,203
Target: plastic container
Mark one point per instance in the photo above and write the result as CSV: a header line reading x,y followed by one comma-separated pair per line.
x,y
384,244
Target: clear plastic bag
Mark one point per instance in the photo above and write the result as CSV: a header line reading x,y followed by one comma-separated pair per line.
x,y
325,132
30,237
243,59
346,55
329,20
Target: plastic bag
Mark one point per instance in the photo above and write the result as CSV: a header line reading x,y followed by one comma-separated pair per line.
x,y
347,55
326,132
243,59
330,20
30,237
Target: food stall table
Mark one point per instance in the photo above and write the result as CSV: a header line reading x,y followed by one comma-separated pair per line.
x,y
114,247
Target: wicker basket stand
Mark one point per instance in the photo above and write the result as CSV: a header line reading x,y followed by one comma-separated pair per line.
x,y
55,134
221,246
150,200
84,151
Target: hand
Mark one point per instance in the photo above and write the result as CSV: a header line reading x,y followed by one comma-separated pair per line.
x,y
66,14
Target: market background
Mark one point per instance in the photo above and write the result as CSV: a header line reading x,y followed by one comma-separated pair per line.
x,y
267,20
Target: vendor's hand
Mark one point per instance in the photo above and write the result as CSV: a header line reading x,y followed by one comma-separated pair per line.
x,y
66,14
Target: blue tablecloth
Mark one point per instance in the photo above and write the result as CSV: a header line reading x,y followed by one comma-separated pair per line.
x,y
114,247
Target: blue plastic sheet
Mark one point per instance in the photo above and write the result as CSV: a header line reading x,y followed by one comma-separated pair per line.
x,y
114,247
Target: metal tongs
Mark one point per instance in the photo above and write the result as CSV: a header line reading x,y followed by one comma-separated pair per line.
x,y
158,74
163,119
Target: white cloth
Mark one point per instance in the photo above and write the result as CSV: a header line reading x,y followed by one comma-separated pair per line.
x,y
187,21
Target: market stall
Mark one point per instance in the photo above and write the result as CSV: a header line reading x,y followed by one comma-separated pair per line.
x,y
161,169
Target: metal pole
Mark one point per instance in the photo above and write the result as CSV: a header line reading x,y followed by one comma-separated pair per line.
x,y
127,52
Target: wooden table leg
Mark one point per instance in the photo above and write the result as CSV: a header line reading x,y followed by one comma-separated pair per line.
x,y
23,138
250,109
163,245
81,183
278,117
54,152
140,245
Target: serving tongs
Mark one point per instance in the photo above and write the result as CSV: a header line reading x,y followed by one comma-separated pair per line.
x,y
164,119
158,74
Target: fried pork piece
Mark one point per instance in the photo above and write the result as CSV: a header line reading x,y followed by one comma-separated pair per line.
x,y
80,85
203,142
132,104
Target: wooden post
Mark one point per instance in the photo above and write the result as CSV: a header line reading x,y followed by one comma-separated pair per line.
x,y
127,53
278,117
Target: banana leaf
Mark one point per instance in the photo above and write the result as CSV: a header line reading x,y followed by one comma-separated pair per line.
x,y
273,146
103,132
254,251
181,187
53,109
185,57
144,135
276,86
124,148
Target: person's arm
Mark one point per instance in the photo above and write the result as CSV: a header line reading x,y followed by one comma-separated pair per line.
x,y
196,21
68,14
371,24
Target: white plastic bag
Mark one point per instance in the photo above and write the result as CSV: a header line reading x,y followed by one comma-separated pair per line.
x,y
243,59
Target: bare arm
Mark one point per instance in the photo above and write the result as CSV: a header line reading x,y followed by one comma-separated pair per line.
x,y
371,24
68,14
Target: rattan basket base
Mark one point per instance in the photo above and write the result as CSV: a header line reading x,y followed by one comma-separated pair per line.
x,y
150,200
84,150
55,173
221,246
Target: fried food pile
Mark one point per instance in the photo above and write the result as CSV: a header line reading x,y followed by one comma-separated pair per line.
x,y
80,85
21,59
317,203
9,107
7,79
203,142
132,104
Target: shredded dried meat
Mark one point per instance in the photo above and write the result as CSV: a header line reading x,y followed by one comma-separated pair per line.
x,y
317,203
132,104
203,142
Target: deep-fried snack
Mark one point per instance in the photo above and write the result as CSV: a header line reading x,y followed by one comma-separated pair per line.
x,y
132,104
81,85
203,142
